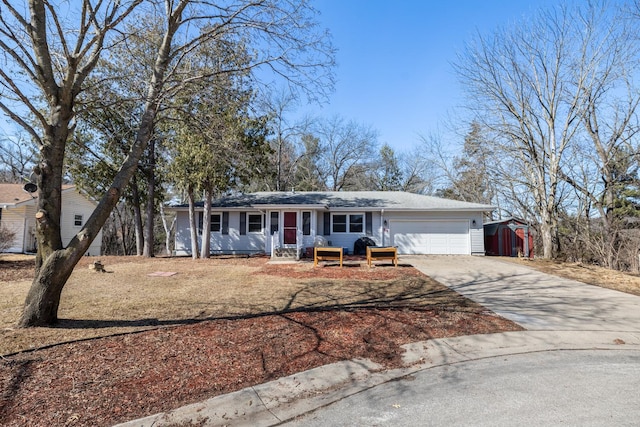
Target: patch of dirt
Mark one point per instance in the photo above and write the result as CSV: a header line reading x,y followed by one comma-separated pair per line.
x,y
13,267
129,345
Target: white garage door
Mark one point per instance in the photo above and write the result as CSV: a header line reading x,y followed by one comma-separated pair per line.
x,y
431,237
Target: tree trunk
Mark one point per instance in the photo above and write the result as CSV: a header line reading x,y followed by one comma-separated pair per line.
x,y
193,224
119,226
167,230
54,264
137,217
43,299
206,225
149,238
549,235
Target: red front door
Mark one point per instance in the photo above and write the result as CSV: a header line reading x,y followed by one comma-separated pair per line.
x,y
290,227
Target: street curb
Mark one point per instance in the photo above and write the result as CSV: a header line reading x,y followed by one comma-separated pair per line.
x,y
280,400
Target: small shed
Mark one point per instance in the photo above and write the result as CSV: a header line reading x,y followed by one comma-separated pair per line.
x,y
508,237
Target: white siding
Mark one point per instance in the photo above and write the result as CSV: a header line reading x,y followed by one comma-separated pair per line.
x,y
182,238
477,241
232,243
74,203
21,219
13,219
347,240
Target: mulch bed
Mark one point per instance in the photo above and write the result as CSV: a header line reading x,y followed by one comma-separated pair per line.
x,y
105,381
11,270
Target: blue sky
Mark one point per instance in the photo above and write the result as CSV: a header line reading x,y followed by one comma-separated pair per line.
x,y
394,59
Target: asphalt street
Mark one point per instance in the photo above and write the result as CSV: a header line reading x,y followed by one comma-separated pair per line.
x,y
569,388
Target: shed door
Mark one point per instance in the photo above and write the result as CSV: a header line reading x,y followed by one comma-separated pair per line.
x,y
431,237
290,227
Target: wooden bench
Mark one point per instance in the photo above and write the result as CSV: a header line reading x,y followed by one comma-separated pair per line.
x,y
326,254
376,253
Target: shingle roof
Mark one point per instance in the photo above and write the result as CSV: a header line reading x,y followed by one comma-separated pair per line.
x,y
390,200
12,194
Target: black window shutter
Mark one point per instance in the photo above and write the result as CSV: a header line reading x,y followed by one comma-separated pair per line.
x,y
274,222
225,222
306,223
200,219
369,223
327,224
243,223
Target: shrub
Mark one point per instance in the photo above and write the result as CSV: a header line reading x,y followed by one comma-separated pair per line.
x,y
6,238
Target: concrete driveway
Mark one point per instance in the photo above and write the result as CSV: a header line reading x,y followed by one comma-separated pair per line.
x,y
537,301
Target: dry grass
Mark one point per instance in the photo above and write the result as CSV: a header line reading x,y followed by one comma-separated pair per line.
x,y
591,274
126,298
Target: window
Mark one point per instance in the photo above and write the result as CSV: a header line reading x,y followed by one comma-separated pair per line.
x,y
353,223
77,220
339,223
216,223
306,223
255,223
356,223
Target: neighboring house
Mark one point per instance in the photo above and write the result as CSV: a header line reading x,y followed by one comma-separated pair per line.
x,y
267,221
508,237
18,210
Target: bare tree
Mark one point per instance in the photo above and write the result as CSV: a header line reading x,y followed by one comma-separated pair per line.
x,y
344,145
17,158
28,34
529,85
417,176
43,52
283,141
604,165
437,157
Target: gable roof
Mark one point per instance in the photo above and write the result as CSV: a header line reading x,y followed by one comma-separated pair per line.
x,y
12,195
507,220
388,200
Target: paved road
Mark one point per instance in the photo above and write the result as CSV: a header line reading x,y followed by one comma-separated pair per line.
x,y
578,363
569,388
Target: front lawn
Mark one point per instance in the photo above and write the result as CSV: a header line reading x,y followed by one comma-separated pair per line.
x,y
135,341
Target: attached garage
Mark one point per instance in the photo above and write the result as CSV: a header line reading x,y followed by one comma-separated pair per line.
x,y
447,237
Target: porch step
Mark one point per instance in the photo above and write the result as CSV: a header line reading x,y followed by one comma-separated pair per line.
x,y
287,253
